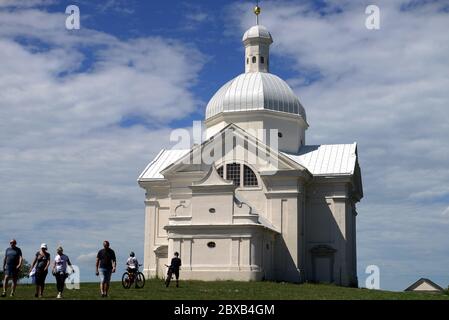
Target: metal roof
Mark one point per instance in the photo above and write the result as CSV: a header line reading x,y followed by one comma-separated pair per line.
x,y
255,91
327,159
331,159
162,161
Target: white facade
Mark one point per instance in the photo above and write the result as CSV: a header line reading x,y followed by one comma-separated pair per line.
x,y
292,218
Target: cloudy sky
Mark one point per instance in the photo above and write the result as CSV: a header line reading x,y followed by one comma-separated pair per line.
x,y
83,111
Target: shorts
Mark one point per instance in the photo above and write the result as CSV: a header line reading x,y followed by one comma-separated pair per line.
x,y
105,275
131,270
11,271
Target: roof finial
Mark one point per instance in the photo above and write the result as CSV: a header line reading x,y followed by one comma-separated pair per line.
x,y
257,12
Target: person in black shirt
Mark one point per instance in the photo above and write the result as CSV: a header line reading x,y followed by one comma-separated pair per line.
x,y
105,266
175,265
41,262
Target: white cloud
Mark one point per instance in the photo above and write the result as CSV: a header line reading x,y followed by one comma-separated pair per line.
x,y
87,257
25,3
446,212
387,90
71,149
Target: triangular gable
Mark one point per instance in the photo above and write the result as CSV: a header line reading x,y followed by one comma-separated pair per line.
x,y
270,160
423,281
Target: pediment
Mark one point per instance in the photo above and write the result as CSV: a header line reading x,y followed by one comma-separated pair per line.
x,y
233,144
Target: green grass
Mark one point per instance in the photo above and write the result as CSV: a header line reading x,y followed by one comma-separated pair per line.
x,y
232,290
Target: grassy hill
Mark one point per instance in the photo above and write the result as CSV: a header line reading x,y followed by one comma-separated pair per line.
x,y
232,290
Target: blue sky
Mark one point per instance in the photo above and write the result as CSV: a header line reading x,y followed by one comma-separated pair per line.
x,y
84,111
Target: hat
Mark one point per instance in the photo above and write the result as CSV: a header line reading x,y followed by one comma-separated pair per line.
x,y
44,246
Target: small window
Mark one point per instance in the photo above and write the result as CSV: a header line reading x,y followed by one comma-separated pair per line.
x,y
249,177
212,210
280,134
211,244
247,60
233,173
262,60
254,59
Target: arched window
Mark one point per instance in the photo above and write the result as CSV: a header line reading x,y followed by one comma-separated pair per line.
x,y
220,171
254,59
249,177
233,171
262,60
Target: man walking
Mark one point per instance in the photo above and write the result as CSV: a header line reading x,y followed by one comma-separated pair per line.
x,y
105,266
12,262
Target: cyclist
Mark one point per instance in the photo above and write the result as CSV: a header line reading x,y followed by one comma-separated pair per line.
x,y
132,263
174,267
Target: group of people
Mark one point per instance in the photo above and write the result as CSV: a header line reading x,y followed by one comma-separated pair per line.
x,y
13,261
105,265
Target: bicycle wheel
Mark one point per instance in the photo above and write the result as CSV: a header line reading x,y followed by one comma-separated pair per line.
x,y
168,279
126,281
140,280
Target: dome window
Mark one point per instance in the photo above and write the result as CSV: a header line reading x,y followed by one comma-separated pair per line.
x,y
254,59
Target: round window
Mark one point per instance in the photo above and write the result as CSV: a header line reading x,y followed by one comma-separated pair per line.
x,y
211,244
212,210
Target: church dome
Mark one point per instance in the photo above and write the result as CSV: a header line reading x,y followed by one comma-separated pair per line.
x,y
255,91
257,31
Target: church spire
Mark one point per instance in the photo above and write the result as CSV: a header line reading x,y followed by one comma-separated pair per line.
x,y
257,41
257,12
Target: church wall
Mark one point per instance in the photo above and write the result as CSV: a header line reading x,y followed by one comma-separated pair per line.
x,y
330,225
156,216
292,129
238,254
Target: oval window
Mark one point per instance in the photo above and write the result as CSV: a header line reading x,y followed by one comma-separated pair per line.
x,y
280,134
211,244
212,210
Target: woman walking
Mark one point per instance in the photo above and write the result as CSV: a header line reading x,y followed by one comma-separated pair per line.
x,y
60,270
41,262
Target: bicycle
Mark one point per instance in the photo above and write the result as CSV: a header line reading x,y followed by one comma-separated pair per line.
x,y
137,278
169,275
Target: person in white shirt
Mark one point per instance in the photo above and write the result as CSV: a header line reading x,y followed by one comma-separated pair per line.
x,y
132,263
60,270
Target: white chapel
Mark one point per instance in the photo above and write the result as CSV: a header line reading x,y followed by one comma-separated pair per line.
x,y
253,201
